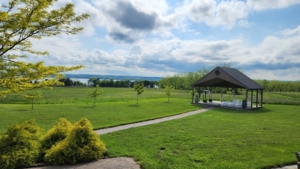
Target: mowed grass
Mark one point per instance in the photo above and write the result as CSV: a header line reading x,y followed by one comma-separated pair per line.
x,y
111,108
220,138
74,95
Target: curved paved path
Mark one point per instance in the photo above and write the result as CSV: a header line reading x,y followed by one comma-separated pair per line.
x,y
144,123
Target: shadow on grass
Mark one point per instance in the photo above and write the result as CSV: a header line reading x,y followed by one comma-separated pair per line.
x,y
24,110
89,107
134,105
254,111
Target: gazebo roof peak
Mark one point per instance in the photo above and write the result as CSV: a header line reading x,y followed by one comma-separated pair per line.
x,y
227,77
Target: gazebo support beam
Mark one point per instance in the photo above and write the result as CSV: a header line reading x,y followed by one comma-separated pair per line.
x,y
193,94
246,98
221,99
261,97
251,99
256,98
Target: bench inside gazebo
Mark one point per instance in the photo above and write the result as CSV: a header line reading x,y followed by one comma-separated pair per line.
x,y
225,77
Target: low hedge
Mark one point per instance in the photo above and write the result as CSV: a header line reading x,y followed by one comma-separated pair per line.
x,y
81,145
20,145
65,143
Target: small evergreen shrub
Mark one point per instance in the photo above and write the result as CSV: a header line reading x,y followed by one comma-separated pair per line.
x,y
81,145
20,146
56,134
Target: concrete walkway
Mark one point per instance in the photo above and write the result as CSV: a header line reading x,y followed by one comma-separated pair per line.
x,y
144,123
288,167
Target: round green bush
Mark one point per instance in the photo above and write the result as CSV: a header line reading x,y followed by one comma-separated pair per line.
x,y
20,146
56,134
81,145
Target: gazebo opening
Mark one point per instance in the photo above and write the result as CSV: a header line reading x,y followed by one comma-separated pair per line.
x,y
223,77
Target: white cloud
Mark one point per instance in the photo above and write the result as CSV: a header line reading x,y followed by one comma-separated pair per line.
x,y
229,12
244,23
291,32
260,5
57,44
290,74
226,13
201,10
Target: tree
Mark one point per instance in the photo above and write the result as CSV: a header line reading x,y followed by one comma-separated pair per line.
x,y
33,94
67,81
139,88
168,90
92,81
95,93
22,21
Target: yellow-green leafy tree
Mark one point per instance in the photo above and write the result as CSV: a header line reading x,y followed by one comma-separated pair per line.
x,y
95,93
20,22
168,90
33,94
139,88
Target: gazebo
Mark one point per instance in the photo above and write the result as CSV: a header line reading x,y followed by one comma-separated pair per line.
x,y
225,77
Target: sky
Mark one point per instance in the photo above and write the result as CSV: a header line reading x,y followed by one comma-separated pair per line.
x,y
165,37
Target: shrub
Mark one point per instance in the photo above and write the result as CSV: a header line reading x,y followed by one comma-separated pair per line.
x,y
56,134
20,146
81,145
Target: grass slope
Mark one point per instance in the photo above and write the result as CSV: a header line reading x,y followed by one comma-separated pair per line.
x,y
220,138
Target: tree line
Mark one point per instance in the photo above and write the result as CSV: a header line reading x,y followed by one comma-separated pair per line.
x,y
70,82
280,86
108,83
184,81
120,83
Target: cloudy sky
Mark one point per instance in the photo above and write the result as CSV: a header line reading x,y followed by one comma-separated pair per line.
x,y
165,37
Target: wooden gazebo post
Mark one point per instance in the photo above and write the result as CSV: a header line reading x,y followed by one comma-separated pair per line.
x,y
233,94
246,98
251,99
193,94
221,94
256,98
261,97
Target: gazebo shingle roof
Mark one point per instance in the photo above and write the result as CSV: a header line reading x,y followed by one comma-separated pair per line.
x,y
227,77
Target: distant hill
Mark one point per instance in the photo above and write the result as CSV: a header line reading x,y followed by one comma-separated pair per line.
x,y
114,77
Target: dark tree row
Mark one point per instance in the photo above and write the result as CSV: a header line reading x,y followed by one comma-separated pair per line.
x,y
69,82
119,83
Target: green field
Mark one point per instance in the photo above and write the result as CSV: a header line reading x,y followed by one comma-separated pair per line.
x,y
114,107
219,138
63,95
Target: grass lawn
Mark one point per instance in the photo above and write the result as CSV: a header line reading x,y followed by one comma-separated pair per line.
x,y
220,138
115,106
74,95
105,114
